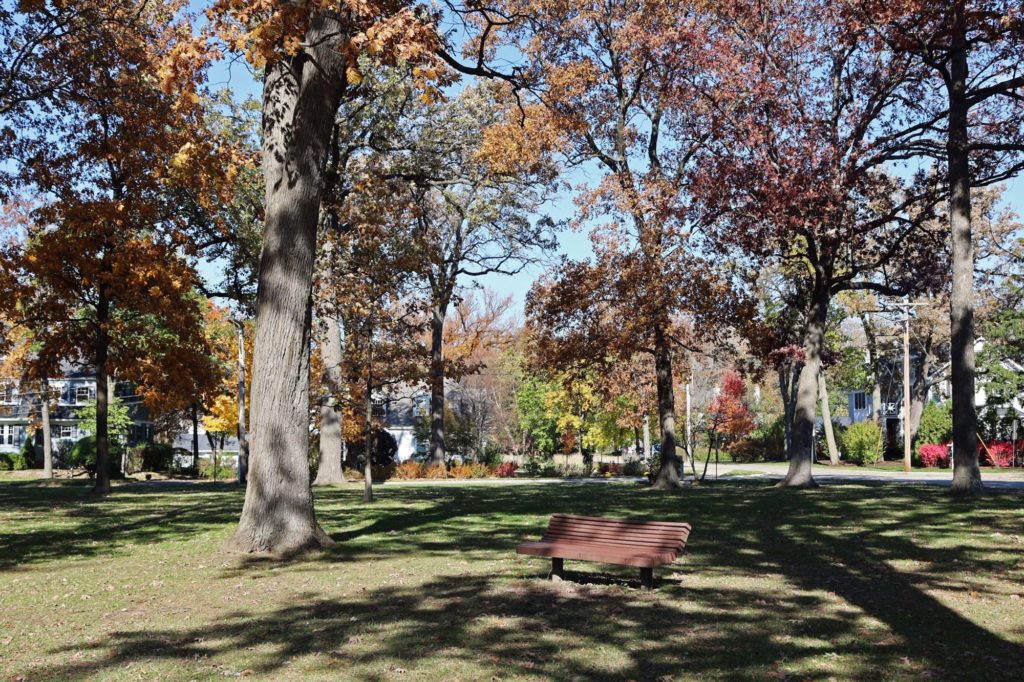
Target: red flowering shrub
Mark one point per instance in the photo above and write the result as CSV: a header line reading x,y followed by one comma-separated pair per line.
x,y
998,453
507,469
934,455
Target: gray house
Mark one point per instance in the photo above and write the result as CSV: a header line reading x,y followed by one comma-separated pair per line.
x,y
20,411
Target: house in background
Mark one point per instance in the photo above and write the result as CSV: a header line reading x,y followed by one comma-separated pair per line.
x,y
76,387
891,391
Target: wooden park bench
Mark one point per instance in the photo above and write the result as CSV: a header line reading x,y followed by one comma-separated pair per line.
x,y
645,544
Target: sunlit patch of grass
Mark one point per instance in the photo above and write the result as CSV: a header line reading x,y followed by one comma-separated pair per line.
x,y
844,582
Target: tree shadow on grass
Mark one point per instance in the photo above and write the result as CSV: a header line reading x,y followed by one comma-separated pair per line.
x,y
836,548
89,526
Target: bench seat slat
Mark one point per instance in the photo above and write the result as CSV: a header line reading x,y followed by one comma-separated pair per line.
x,y
627,542
601,553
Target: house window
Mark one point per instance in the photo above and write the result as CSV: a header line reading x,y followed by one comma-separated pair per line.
x,y
7,434
859,401
9,395
66,431
379,409
83,394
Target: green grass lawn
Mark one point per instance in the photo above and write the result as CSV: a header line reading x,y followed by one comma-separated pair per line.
x,y
844,582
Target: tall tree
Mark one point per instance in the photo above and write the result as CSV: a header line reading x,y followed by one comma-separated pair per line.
x,y
972,128
101,275
800,173
473,217
620,91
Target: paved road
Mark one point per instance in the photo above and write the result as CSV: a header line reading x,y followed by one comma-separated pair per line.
x,y
1012,480
764,471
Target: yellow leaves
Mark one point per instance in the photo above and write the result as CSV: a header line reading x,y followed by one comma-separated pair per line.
x,y
353,75
223,415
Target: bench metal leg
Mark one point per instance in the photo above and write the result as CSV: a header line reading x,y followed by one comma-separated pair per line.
x,y
556,569
647,578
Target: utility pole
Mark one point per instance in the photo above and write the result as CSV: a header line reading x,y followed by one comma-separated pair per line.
x,y
906,384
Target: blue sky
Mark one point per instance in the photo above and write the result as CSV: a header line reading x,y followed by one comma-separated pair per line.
x,y
237,76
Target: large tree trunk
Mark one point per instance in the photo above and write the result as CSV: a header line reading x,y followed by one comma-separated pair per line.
x,y
47,441
101,351
966,474
329,472
300,99
243,437
799,474
436,381
668,472
826,419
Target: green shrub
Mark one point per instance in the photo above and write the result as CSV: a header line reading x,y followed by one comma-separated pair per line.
x,y
157,456
6,462
24,458
862,443
936,424
533,465
82,453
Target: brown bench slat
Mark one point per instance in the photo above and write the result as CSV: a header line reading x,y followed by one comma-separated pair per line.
x,y
626,542
600,553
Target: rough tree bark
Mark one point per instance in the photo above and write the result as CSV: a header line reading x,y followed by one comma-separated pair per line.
x,y
799,473
301,96
436,381
826,419
329,472
966,474
668,472
47,441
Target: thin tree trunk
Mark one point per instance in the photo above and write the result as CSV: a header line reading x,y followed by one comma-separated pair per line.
x,y
368,449
436,381
966,474
47,440
243,438
826,418
120,438
300,99
195,439
329,471
919,391
647,437
668,471
787,388
102,438
799,474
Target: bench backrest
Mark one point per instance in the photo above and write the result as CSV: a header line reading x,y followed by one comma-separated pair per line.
x,y
668,536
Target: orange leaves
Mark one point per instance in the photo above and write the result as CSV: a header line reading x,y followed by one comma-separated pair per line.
x,y
522,142
386,32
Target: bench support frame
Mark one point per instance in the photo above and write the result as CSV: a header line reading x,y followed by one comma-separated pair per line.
x,y
557,566
647,578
